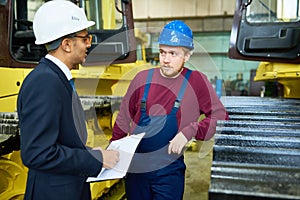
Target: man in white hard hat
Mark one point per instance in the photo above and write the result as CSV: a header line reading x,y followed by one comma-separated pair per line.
x,y
52,125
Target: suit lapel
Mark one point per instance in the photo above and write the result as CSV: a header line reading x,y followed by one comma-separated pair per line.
x,y
77,110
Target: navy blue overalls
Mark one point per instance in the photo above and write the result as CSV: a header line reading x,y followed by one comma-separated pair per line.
x,y
153,173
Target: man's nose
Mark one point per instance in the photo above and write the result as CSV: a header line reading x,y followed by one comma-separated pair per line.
x,y
167,58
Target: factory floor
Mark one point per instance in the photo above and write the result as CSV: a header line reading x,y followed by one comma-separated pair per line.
x,y
198,160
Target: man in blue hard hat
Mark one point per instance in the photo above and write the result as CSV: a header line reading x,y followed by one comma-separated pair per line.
x,y
166,103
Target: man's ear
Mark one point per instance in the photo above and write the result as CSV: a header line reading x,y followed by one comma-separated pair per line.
x,y
187,57
66,45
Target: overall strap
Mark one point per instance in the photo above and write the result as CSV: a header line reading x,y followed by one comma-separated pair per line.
x,y
145,119
182,90
146,89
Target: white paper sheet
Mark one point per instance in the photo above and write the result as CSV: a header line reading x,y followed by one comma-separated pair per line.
x,y
126,147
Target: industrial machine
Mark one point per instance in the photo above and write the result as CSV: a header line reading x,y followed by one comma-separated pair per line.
x,y
257,152
116,55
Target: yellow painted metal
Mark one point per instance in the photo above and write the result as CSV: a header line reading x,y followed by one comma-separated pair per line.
x,y
286,74
114,117
115,190
108,12
12,171
13,176
107,80
10,82
97,189
8,104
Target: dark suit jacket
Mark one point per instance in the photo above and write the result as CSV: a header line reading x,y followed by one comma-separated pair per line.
x,y
53,134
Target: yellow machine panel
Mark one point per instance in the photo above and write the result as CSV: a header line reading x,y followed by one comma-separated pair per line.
x,y
286,74
10,81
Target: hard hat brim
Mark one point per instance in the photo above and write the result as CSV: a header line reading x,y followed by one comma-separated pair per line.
x,y
45,41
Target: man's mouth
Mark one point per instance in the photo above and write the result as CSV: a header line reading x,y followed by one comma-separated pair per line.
x,y
166,67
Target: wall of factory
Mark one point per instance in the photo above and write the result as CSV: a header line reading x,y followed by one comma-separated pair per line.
x,y
145,9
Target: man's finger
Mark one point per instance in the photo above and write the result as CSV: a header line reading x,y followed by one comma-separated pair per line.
x,y
170,148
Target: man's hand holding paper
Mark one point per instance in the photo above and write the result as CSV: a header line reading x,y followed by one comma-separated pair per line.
x,y
110,157
125,148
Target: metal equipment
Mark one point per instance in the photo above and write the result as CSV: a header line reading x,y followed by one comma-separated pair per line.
x,y
257,152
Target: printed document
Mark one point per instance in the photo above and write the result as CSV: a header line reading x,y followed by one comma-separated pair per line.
x,y
126,147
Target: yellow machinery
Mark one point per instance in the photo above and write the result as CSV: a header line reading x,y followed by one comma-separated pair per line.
x,y
288,75
116,55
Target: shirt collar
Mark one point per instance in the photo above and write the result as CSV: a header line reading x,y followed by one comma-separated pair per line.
x,y
61,65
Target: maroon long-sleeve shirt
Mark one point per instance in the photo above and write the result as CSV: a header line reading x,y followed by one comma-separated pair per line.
x,y
199,98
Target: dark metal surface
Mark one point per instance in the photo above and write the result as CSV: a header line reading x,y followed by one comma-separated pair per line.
x,y
257,152
9,133
9,123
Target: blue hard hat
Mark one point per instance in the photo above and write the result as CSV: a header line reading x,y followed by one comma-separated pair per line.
x,y
177,33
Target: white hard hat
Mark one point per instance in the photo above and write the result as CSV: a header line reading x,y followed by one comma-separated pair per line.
x,y
57,18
